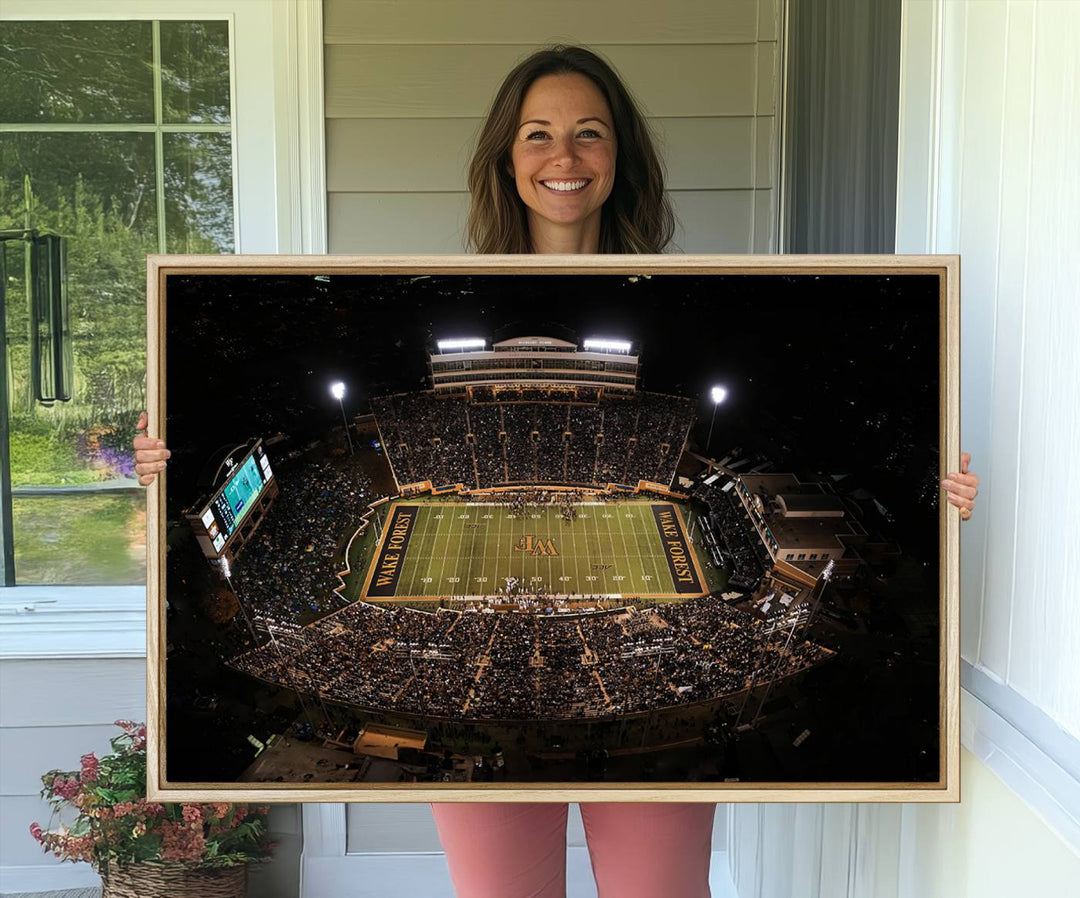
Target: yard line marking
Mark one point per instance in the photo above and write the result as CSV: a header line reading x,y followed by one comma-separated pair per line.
x,y
646,541
626,552
423,547
579,582
610,554
563,587
434,559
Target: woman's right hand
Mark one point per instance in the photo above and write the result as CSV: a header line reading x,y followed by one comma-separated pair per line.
x,y
150,453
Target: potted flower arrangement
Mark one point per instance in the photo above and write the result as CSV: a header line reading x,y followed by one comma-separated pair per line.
x,y
142,847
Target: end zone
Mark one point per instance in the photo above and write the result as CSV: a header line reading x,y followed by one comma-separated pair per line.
x,y
681,561
382,578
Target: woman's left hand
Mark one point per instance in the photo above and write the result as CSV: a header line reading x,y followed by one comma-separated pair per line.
x,y
962,487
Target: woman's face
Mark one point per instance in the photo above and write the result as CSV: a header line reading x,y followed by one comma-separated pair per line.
x,y
563,154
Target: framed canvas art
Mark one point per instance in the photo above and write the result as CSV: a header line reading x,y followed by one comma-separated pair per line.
x,y
553,528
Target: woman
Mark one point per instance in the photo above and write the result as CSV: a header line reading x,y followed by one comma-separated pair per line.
x,y
565,164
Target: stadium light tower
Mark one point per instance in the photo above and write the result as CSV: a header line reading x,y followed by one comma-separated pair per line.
x,y
718,394
338,391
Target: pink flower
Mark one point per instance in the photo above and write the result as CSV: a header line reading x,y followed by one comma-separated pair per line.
x,y
150,808
65,788
192,814
181,842
219,808
123,808
36,831
89,768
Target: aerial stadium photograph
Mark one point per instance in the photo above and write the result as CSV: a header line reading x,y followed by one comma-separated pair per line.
x,y
512,528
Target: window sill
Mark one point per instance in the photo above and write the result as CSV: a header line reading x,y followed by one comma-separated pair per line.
x,y
73,622
1032,756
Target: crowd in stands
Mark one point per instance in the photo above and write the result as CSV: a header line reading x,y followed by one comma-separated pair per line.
x,y
533,435
467,665
289,566
731,535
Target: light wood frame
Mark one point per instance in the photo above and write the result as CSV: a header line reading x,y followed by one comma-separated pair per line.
x,y
946,268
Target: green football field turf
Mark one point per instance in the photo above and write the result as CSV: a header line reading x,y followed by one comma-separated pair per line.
x,y
615,549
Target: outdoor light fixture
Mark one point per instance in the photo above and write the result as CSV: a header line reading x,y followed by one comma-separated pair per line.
x,y
338,391
607,345
462,343
718,394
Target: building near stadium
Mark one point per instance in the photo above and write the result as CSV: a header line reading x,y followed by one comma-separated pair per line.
x,y
803,525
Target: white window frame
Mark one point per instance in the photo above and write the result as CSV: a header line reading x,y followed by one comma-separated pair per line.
x,y
279,194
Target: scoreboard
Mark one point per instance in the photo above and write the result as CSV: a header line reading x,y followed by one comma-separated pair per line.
x,y
242,499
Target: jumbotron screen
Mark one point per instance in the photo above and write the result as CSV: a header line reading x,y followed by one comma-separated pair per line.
x,y
235,499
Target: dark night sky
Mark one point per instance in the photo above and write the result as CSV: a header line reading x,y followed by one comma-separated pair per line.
x,y
834,373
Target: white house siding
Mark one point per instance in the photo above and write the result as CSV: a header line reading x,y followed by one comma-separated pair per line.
x,y
408,83
51,712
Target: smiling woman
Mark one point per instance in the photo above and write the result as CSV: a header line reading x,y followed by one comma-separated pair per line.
x,y
560,118
563,162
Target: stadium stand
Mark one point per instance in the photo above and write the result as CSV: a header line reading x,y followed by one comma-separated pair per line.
x,y
481,666
530,435
288,568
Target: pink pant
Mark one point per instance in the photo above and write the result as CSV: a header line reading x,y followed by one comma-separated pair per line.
x,y
518,850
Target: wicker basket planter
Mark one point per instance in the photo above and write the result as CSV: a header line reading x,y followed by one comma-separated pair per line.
x,y
161,880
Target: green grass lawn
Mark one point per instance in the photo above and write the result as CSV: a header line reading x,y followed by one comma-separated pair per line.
x,y
456,549
80,539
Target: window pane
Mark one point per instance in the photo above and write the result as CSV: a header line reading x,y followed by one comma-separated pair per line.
x,y
198,193
98,191
78,516
76,72
195,71
81,539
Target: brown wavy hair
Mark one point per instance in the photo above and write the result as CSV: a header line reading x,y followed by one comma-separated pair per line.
x,y
636,218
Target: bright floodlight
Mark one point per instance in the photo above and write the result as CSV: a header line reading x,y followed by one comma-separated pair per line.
x,y
608,345
462,343
338,390
719,394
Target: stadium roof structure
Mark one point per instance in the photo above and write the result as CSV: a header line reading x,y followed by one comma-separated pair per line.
x,y
810,505
532,360
533,343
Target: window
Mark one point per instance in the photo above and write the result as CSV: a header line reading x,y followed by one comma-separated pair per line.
x,y
116,135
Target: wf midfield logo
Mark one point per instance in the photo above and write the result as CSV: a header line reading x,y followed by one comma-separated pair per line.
x,y
531,545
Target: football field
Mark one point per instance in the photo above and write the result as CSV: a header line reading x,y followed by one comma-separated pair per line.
x,y
432,550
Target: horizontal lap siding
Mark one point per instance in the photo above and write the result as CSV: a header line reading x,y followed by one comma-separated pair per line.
x,y
519,22
392,155
460,80
408,84
708,221
51,713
